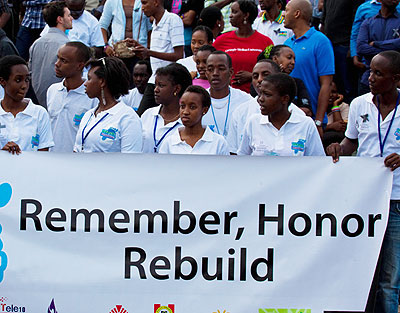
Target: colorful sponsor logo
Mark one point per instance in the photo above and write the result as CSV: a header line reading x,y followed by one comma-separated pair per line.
x,y
298,146
397,134
111,133
118,309
158,308
218,311
5,306
284,310
35,141
52,307
5,196
78,118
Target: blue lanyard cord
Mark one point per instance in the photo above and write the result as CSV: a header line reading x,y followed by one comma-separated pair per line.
x,y
87,134
157,143
226,118
382,144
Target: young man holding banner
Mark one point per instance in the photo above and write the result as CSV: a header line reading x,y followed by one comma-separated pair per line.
x,y
374,128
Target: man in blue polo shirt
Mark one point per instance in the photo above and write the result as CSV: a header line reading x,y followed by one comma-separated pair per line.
x,y
315,63
378,33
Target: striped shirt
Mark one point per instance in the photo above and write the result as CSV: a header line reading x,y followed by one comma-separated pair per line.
x,y
33,17
166,35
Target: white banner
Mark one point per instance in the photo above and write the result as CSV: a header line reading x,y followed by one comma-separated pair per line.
x,y
160,233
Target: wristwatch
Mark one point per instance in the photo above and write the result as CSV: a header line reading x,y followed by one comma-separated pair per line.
x,y
318,123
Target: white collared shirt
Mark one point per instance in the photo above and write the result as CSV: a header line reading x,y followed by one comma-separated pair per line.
x,y
85,29
189,63
240,117
166,35
29,129
150,118
133,98
275,30
219,115
66,109
210,143
118,129
297,137
363,125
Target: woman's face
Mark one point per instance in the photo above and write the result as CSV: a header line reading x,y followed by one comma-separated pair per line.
x,y
201,63
164,90
334,94
191,109
93,84
285,60
199,39
237,16
17,84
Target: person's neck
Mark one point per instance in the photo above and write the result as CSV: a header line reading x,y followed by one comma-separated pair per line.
x,y
110,102
244,31
219,94
158,15
191,135
14,107
273,13
61,27
73,82
388,99
170,112
300,29
387,11
279,119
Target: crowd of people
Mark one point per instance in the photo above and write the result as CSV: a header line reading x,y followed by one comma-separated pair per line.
x,y
219,77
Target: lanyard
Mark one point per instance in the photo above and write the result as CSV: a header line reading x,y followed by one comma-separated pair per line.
x,y
226,118
157,143
87,134
382,144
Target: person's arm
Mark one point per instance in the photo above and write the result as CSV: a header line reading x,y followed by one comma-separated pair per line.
x,y
358,19
363,41
346,147
4,17
104,23
323,98
390,44
12,147
219,4
144,53
188,18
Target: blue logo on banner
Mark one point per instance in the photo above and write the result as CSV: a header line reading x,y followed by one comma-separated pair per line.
x,y
5,196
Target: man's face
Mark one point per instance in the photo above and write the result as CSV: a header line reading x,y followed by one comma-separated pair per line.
x,y
268,4
140,77
148,7
390,3
218,72
289,16
67,64
76,7
381,78
66,20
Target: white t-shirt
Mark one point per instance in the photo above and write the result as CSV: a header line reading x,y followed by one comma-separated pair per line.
x,y
219,115
363,125
210,143
85,29
152,120
30,129
66,109
240,118
133,98
297,137
189,63
115,130
166,35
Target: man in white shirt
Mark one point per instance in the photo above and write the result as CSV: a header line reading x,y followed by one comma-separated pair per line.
x,y
224,99
166,44
67,101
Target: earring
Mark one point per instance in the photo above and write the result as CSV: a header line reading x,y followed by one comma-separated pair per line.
x,y
175,93
244,21
219,25
103,98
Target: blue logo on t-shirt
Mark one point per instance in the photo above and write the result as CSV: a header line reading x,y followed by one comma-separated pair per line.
x,y
212,127
397,134
78,118
111,133
298,146
35,141
5,197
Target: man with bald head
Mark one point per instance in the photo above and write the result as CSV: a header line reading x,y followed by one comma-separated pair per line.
x,y
315,63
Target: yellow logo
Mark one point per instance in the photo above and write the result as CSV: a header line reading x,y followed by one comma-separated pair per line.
x,y
218,311
164,309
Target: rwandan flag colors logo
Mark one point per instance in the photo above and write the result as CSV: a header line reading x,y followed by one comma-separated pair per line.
x,y
158,308
118,309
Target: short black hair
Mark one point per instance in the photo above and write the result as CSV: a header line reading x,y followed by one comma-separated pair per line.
x,y
219,52
275,66
207,48
206,99
248,6
178,74
284,84
394,58
53,10
83,52
7,62
209,16
277,50
205,29
148,66
114,72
